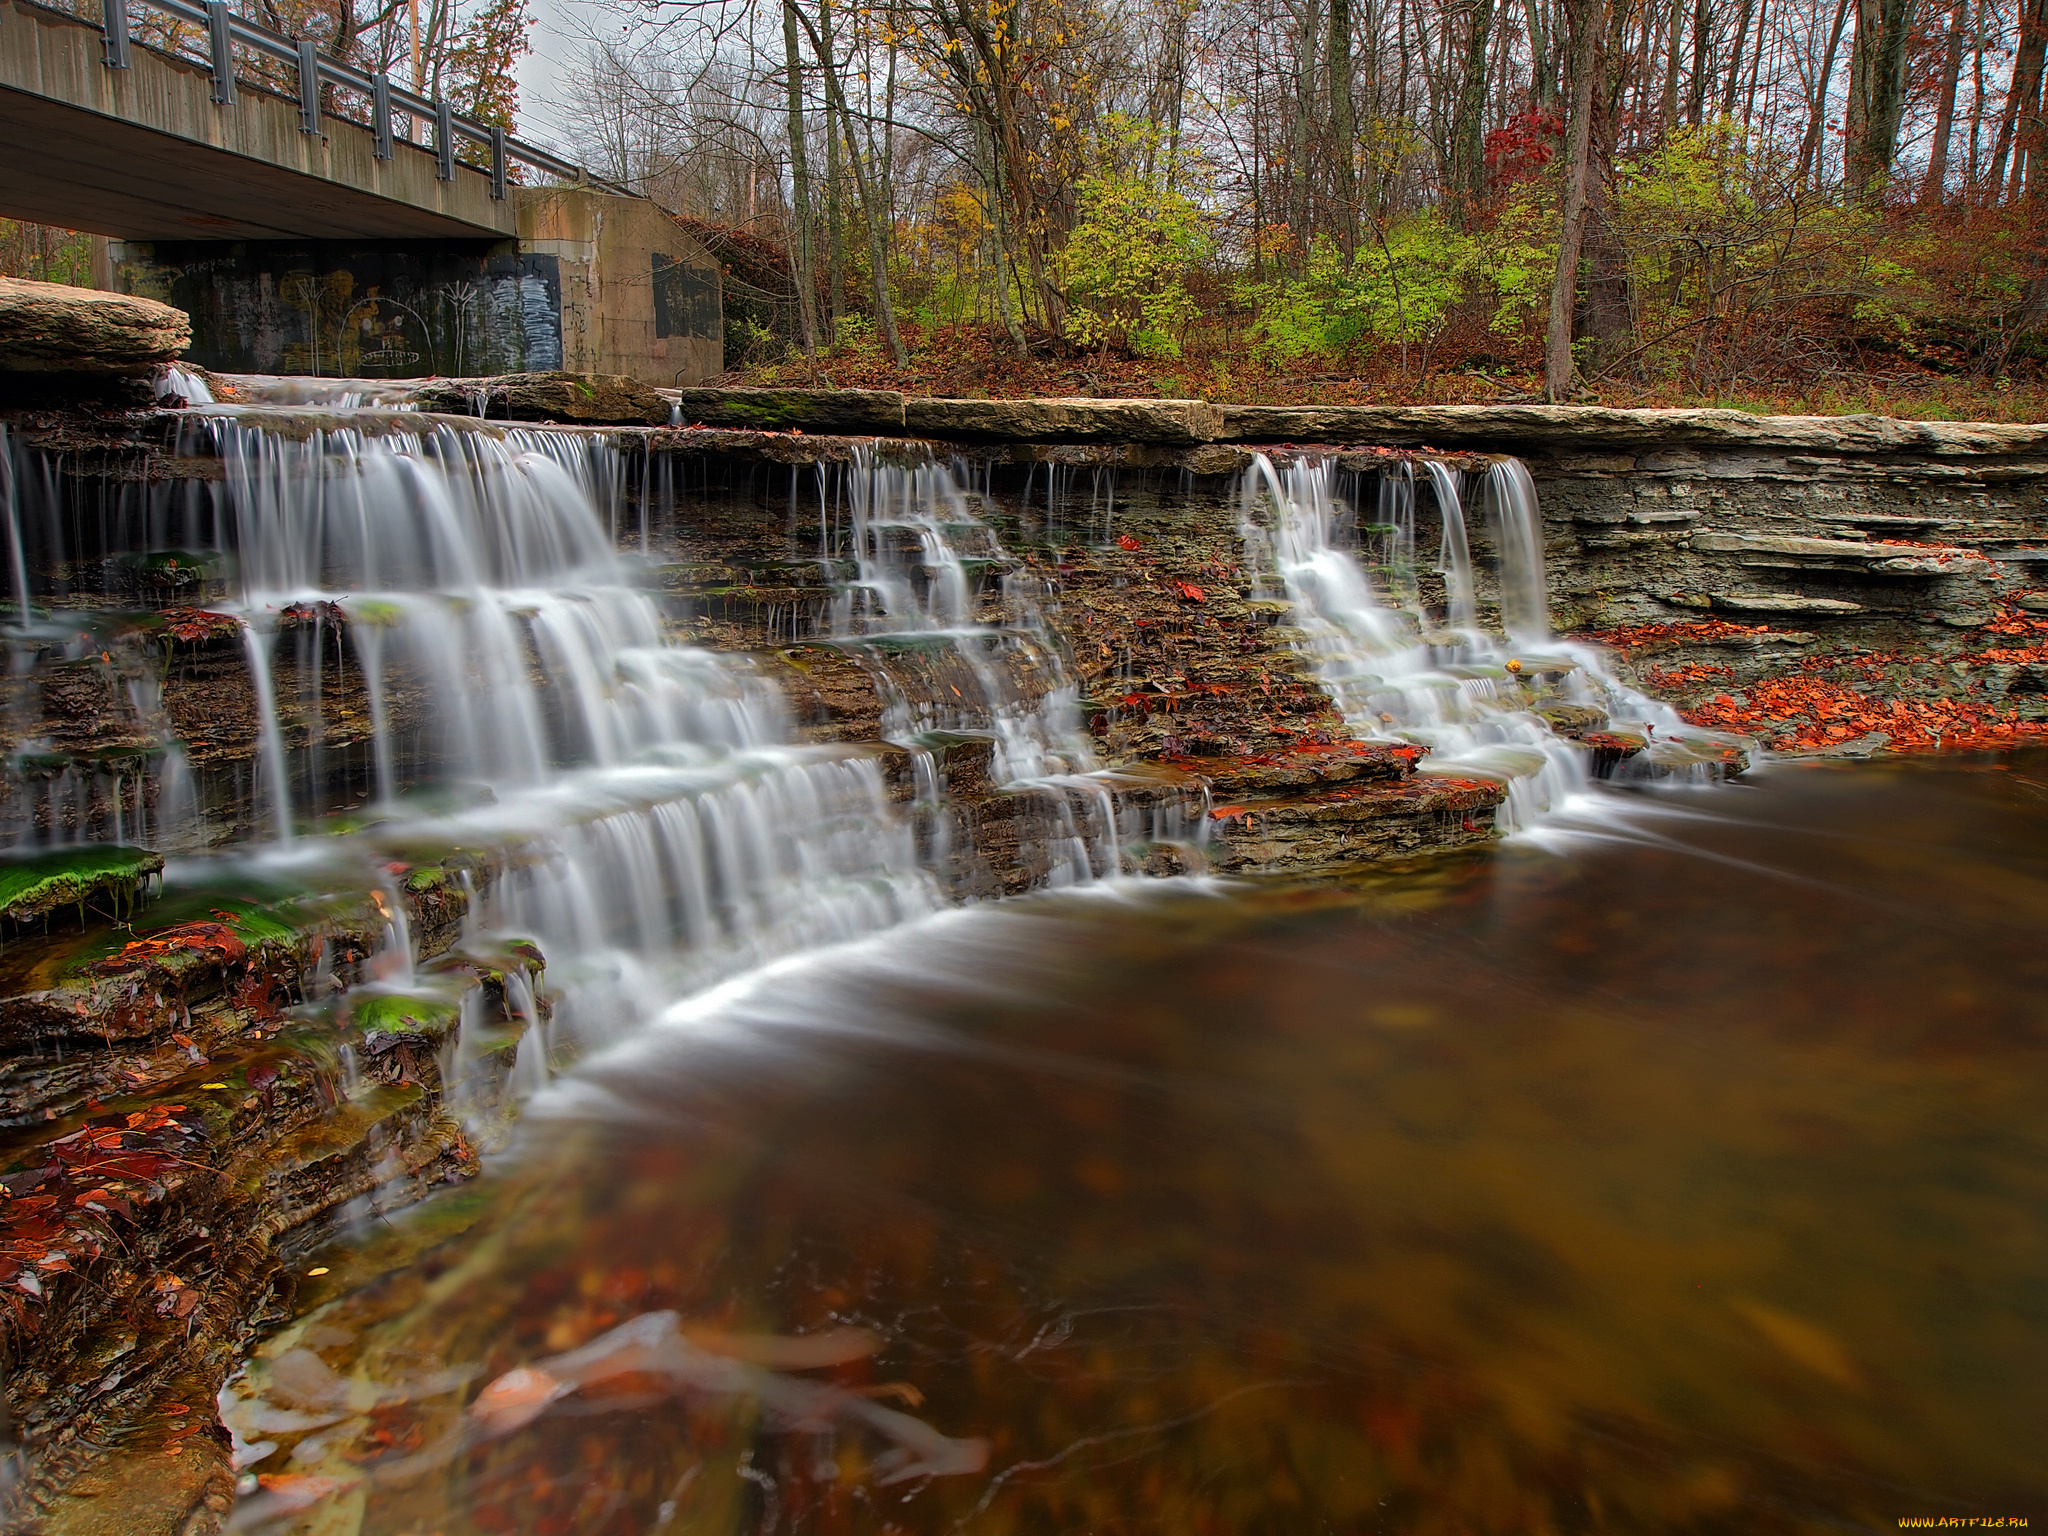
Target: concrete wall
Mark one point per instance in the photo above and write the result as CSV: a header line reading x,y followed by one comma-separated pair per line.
x,y
595,284
639,297
355,309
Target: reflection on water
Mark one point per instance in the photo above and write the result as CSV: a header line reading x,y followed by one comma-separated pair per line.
x,y
1687,1181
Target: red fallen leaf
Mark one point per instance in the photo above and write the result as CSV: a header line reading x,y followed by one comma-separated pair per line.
x,y
1125,541
295,1490
1228,812
200,624
214,940
1190,591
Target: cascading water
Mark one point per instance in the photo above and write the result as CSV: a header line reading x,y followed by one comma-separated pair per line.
x,y
661,831
1398,675
445,651
913,607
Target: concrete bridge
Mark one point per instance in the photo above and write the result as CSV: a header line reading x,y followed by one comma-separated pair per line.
x,y
239,185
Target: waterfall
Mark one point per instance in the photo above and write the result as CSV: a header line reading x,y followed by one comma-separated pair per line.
x,y
1454,554
518,693
1397,675
17,561
913,611
1518,534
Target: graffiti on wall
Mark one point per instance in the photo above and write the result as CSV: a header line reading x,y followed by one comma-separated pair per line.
x,y
376,310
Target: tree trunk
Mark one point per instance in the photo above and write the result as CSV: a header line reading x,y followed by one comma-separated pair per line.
x,y
1608,320
999,236
1468,127
1817,111
1702,44
1669,115
804,258
2026,87
1585,17
1734,85
839,122
1343,123
1973,179
1877,94
835,217
1301,214
1935,182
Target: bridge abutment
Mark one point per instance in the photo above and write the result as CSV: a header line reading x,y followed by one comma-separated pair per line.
x,y
594,283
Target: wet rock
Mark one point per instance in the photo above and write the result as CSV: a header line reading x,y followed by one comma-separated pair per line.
x,y
888,413
53,328
582,399
148,1235
1610,749
84,874
1574,720
1347,826
1581,430
1813,607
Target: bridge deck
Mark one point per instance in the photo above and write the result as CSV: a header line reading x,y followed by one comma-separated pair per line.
x,y
144,154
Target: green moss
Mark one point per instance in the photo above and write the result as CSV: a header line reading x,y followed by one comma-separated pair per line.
x,y
261,925
174,567
65,877
400,1013
375,613
768,411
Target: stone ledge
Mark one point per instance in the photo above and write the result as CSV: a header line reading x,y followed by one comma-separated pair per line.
x,y
56,328
1583,434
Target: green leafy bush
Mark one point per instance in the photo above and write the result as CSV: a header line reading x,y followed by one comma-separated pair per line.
x,y
1125,267
1397,288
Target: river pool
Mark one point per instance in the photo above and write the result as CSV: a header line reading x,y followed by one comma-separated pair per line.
x,y
1677,1170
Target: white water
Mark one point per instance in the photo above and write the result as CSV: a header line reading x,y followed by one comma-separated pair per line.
x,y
917,548
1400,674
659,829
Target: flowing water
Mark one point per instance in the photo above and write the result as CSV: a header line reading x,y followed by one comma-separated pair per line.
x,y
1401,673
1668,1169
1689,1182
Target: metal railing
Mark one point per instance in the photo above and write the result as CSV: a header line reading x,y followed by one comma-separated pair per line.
x,y
224,31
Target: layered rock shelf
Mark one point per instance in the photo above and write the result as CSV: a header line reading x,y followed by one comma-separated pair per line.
x,y
196,1089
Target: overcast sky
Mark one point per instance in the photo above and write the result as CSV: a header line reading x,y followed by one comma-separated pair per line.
x,y
561,30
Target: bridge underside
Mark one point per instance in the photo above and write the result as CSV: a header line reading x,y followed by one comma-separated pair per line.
x,y
144,153
117,178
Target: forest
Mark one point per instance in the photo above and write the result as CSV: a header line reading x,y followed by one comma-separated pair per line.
x,y
1775,204
1830,204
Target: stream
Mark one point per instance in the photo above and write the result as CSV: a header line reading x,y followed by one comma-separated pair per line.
x,y
1676,1169
1663,1155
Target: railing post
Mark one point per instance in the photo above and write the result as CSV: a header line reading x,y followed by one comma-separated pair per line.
x,y
444,139
114,23
498,163
217,27
309,86
380,112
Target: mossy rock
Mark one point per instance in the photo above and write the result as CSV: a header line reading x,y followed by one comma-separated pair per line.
x,y
175,567
386,1018
70,877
